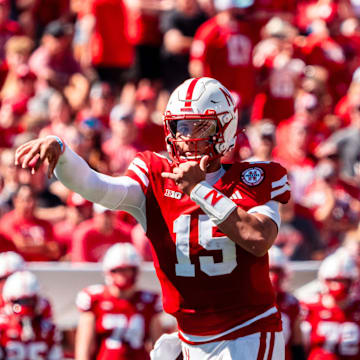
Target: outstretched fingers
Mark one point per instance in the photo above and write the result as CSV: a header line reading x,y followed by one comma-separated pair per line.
x,y
28,155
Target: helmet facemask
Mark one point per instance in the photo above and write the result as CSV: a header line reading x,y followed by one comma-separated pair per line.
x,y
203,134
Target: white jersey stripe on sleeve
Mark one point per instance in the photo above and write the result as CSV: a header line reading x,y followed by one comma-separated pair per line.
x,y
280,191
141,164
140,174
280,182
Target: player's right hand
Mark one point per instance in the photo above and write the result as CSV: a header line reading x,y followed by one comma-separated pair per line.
x,y
34,153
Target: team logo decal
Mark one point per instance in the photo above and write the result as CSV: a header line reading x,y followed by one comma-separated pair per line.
x,y
253,176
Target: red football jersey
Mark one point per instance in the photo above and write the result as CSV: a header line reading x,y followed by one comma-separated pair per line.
x,y
334,332
43,344
209,283
226,55
289,307
122,325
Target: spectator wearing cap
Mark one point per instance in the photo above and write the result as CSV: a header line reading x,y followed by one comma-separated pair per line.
x,y
179,26
94,236
121,148
53,61
33,237
8,27
78,210
222,49
150,133
17,52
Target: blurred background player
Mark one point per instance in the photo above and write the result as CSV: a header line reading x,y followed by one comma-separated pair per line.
x,y
118,321
288,305
331,319
24,332
10,262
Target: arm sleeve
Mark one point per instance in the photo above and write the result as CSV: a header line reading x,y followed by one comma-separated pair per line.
x,y
116,193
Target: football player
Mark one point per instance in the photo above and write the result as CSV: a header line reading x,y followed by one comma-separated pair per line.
x,y
10,262
288,305
210,226
24,333
332,319
117,316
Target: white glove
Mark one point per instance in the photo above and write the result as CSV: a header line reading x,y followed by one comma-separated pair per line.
x,y
167,347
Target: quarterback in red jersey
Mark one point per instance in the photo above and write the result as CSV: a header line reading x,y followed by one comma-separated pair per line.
x,y
288,305
332,318
116,316
210,226
24,333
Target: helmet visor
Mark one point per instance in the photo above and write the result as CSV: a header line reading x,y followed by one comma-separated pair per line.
x,y
194,129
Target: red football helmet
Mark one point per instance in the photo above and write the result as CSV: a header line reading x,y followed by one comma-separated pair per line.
x,y
121,258
21,292
200,109
278,266
337,273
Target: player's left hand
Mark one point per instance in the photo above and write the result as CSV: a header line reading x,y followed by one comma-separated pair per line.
x,y
188,174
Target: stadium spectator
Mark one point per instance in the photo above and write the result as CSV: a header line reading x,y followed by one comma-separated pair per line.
x,y
298,236
179,26
17,52
8,27
101,100
327,336
130,323
144,34
93,237
108,50
345,142
78,210
53,61
121,147
150,133
24,329
288,304
33,237
171,201
334,207
262,140
222,49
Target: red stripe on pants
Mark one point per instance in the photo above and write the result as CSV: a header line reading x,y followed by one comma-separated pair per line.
x,y
262,346
271,349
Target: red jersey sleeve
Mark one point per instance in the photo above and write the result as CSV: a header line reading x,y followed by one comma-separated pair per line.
x,y
138,170
280,188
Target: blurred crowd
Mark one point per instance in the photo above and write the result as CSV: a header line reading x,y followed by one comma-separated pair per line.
x,y
98,74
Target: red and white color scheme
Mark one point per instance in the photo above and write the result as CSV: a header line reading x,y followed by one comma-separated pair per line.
x,y
332,318
199,268
202,101
122,325
25,334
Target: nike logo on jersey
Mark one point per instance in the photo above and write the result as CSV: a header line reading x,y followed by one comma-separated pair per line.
x,y
236,195
173,194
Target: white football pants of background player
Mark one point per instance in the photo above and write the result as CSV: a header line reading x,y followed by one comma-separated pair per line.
x,y
258,346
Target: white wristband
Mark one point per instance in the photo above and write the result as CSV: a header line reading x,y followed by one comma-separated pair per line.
x,y
215,204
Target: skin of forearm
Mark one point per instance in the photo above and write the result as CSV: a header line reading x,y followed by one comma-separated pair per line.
x,y
253,233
